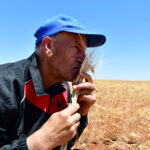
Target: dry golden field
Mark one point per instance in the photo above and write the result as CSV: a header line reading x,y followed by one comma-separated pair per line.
x,y
120,119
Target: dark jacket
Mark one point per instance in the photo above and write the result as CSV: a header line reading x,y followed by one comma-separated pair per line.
x,y
25,106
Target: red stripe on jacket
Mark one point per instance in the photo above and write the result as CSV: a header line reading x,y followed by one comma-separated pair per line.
x,y
59,101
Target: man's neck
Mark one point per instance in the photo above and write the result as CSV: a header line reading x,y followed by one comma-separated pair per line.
x,y
47,78
47,75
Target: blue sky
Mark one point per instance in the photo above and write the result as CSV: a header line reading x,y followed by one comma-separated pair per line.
x,y
126,25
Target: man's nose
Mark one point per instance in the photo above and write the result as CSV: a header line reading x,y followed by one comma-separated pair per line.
x,y
81,57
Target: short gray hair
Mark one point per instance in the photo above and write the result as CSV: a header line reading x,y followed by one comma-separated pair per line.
x,y
39,46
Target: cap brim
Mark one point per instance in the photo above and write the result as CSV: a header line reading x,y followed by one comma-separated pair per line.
x,y
93,40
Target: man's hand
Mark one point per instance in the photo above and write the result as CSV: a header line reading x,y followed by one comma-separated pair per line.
x,y
57,130
87,94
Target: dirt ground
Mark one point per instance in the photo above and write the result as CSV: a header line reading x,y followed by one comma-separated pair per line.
x,y
120,119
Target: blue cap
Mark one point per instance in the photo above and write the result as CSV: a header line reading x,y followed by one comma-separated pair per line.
x,y
65,23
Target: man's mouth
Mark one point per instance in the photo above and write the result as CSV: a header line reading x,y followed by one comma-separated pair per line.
x,y
77,69
77,65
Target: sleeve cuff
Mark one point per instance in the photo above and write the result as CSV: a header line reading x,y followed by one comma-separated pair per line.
x,y
23,144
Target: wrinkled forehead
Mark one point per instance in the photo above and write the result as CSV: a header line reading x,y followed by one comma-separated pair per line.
x,y
70,38
78,38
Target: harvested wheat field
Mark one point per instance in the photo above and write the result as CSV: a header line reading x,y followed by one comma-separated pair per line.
x,y
120,119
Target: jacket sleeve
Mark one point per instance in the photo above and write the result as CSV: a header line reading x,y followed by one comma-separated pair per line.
x,y
9,114
83,124
18,144
9,139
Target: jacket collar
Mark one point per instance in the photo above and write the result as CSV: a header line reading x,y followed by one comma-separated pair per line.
x,y
36,76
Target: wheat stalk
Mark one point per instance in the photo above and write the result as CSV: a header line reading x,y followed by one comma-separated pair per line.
x,y
87,65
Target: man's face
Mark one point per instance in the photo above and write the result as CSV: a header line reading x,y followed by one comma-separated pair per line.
x,y
68,54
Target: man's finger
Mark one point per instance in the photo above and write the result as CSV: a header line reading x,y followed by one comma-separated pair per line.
x,y
85,92
87,77
71,109
75,127
76,117
85,85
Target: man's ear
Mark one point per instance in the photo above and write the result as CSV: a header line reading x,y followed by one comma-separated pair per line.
x,y
46,45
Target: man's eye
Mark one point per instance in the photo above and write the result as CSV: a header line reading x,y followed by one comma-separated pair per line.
x,y
77,47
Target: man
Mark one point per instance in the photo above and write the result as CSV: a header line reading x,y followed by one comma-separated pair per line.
x,y
35,103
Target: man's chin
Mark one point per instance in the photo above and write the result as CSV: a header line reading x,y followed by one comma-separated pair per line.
x,y
74,77
70,79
